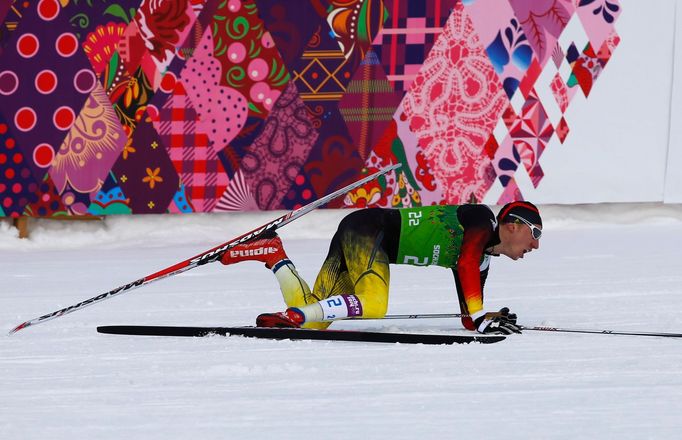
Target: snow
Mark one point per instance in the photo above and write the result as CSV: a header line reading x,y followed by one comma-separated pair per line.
x,y
599,267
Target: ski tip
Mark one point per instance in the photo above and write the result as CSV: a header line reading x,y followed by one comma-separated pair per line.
x,y
17,328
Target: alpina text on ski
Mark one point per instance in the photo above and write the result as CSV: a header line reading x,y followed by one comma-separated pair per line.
x,y
210,255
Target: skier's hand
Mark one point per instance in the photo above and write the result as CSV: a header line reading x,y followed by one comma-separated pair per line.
x,y
498,323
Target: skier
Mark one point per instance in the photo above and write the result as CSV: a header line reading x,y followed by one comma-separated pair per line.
x,y
354,278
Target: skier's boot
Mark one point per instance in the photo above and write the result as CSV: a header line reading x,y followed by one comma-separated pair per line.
x,y
291,318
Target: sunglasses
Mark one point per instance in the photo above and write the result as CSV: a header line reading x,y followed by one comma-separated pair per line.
x,y
534,230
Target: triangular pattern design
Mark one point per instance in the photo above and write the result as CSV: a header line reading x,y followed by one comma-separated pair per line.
x,y
541,27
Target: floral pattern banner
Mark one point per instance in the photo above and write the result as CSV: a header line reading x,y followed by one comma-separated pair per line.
x,y
179,106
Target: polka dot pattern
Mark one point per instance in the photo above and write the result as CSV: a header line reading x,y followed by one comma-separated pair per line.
x,y
46,82
49,202
17,185
9,82
251,64
222,110
43,155
63,118
234,5
84,81
258,69
45,79
236,52
300,193
48,9
66,44
27,45
25,119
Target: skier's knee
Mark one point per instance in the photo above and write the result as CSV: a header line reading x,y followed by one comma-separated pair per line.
x,y
374,308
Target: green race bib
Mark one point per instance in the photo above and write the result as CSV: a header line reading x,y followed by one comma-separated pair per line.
x,y
430,235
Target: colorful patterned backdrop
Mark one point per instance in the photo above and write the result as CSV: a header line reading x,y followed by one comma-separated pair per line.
x,y
154,106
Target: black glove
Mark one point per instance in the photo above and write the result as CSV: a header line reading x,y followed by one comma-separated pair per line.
x,y
498,323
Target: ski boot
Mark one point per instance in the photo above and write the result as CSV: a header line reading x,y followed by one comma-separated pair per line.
x,y
291,318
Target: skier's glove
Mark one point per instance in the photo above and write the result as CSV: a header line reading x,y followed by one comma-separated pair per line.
x,y
497,323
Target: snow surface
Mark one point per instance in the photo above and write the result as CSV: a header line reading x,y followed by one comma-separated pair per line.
x,y
599,267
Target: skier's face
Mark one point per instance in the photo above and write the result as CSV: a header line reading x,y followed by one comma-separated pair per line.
x,y
519,240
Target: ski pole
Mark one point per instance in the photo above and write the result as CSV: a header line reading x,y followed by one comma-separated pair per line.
x,y
542,328
601,332
210,255
419,316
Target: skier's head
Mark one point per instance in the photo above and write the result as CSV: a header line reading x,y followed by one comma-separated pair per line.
x,y
520,228
514,211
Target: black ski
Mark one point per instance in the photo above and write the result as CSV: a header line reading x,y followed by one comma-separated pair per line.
x,y
298,334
